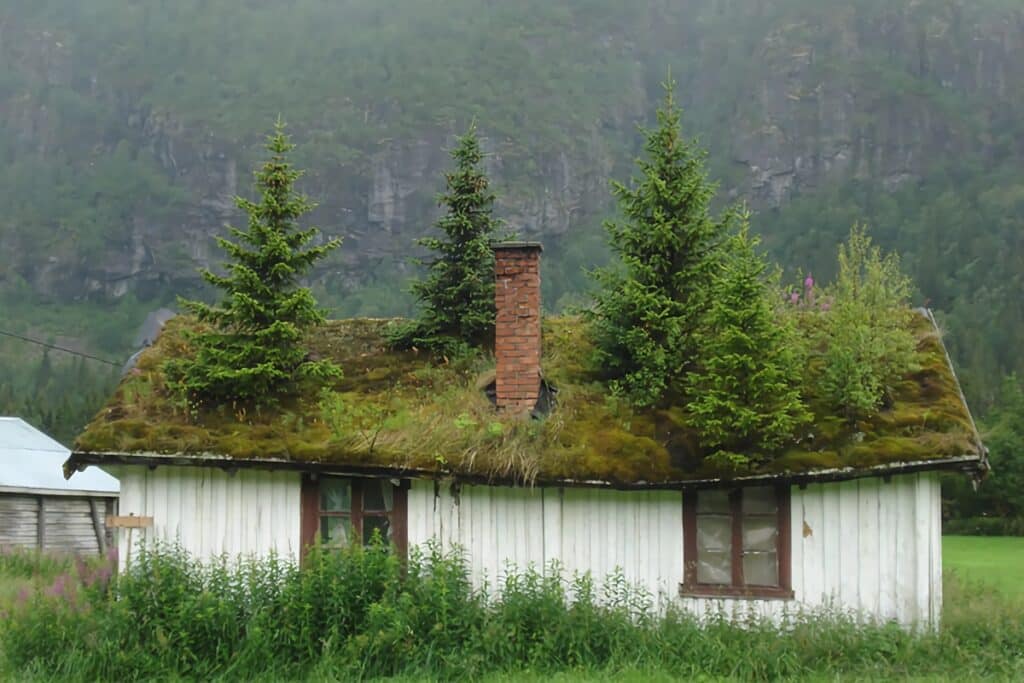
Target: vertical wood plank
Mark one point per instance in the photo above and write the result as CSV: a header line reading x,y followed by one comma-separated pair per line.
x,y
905,586
888,531
849,545
936,549
922,548
831,538
868,589
218,497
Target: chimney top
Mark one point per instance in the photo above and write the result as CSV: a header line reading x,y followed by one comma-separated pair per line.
x,y
525,246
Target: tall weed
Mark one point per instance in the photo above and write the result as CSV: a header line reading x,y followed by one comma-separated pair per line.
x,y
359,613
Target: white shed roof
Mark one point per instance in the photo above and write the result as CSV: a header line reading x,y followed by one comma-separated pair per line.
x,y
30,459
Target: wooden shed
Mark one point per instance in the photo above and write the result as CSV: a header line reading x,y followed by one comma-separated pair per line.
x,y
38,507
473,456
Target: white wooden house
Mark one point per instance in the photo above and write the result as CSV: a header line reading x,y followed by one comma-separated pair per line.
x,y
38,507
848,521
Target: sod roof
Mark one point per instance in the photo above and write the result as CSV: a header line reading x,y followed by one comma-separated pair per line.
x,y
403,412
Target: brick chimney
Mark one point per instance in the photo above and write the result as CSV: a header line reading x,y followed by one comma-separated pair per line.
x,y
517,325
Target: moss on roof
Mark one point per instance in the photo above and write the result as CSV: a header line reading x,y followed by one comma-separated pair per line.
x,y
401,410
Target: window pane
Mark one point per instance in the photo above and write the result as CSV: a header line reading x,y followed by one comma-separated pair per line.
x,y
335,494
713,501
714,567
761,569
335,531
714,532
379,523
377,495
759,500
760,533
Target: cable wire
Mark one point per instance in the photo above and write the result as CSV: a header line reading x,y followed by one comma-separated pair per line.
x,y
59,348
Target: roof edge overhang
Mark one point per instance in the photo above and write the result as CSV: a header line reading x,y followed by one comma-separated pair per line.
x,y
65,493
970,465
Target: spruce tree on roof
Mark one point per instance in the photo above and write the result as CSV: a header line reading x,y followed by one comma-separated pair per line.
x,y
457,294
650,303
744,389
252,352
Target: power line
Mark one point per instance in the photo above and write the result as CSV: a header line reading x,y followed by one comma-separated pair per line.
x,y
60,348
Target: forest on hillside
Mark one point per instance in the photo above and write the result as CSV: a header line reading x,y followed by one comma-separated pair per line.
x,y
127,127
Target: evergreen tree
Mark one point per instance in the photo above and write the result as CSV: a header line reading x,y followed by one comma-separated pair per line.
x,y
253,352
649,306
744,397
457,294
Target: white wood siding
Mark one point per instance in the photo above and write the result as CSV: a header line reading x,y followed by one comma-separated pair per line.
x,y
212,513
865,546
583,529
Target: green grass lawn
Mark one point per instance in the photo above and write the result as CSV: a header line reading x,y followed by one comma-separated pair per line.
x,y
997,561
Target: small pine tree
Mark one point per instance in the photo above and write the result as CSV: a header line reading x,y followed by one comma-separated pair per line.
x,y
254,353
744,390
457,295
649,305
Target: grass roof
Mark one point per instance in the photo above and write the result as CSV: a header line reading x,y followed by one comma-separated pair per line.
x,y
405,410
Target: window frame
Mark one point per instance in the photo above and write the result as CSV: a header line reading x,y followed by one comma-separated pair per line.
x,y
311,512
691,587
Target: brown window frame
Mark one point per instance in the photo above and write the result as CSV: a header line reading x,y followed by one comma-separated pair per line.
x,y
311,512
690,587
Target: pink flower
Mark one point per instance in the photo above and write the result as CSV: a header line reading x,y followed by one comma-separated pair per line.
x,y
794,298
808,282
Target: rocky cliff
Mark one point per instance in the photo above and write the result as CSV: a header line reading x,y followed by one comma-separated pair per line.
x,y
121,159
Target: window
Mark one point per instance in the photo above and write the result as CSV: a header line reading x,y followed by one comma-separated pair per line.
x,y
737,542
336,510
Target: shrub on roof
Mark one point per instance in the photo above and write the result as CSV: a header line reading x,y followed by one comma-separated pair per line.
x,y
867,331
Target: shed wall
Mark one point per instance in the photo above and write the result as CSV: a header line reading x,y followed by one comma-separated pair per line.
x,y
867,546
212,513
68,524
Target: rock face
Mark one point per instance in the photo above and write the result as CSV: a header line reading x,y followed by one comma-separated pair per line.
x,y
810,99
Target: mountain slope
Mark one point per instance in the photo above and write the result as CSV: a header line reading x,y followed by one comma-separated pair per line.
x,y
126,129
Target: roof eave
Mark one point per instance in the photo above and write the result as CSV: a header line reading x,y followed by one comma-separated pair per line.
x,y
971,465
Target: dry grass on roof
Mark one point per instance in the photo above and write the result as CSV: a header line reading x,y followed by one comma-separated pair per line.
x,y
403,410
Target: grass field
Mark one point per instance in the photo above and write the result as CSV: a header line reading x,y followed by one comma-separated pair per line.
x,y
997,561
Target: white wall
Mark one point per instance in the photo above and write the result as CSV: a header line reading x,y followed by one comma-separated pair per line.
x,y
211,512
864,545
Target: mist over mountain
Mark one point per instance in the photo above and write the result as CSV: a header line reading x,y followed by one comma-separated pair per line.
x,y
127,126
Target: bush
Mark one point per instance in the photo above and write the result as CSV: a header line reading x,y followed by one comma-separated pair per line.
x,y
358,613
867,333
984,526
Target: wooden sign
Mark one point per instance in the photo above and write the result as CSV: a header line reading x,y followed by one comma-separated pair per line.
x,y
129,522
